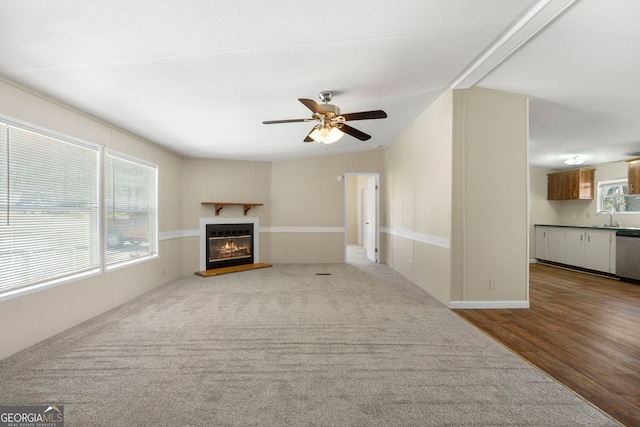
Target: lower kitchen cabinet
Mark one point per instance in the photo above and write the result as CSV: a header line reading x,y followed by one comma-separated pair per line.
x,y
599,245
591,249
556,246
541,242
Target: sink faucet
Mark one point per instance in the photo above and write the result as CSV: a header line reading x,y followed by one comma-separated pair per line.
x,y
610,217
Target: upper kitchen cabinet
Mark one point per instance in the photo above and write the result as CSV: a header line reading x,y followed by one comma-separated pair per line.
x,y
576,184
633,176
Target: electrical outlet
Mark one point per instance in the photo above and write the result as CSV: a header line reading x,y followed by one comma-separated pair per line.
x,y
493,284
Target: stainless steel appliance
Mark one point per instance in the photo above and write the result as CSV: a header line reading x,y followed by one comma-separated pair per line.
x,y
628,254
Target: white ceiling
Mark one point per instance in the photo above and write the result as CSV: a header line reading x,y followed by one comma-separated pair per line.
x,y
200,76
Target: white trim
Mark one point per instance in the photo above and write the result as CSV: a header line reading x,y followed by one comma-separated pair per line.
x,y
302,229
475,305
122,264
228,220
177,234
441,242
26,290
534,21
30,127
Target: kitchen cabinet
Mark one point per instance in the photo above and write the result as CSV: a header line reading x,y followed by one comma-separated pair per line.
x,y
589,249
574,247
550,244
576,184
577,247
554,187
556,248
541,242
597,250
633,176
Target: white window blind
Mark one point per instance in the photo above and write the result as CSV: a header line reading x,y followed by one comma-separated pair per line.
x,y
131,208
4,178
49,198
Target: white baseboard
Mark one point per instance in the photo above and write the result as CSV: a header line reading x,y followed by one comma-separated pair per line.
x,y
458,305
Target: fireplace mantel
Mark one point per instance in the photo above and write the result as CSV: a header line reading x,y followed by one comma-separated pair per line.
x,y
220,205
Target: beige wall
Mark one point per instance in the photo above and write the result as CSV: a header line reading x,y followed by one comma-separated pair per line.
x,y
214,180
490,197
455,199
416,191
353,210
303,217
308,207
30,318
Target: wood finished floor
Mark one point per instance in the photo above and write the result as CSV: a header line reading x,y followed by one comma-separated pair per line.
x,y
581,329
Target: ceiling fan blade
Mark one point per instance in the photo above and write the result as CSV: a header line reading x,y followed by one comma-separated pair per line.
x,y
312,105
308,137
272,122
353,132
365,115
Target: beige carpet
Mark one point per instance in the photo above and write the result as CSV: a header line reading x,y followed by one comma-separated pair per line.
x,y
292,345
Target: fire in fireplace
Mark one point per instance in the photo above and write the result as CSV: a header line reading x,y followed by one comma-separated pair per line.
x,y
229,245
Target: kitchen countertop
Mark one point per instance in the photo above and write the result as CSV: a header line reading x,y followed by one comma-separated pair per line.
x,y
597,227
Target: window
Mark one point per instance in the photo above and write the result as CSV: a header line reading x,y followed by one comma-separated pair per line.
x,y
613,197
131,215
56,223
49,200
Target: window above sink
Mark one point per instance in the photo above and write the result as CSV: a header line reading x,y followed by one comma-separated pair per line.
x,y
613,196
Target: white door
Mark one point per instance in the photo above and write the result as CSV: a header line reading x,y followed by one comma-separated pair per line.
x,y
371,222
363,216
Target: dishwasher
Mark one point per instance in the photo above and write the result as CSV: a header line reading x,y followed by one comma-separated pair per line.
x,y
628,255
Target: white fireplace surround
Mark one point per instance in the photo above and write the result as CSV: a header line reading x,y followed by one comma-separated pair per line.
x,y
228,220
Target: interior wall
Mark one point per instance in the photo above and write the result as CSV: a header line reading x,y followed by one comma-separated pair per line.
x,y
27,319
303,217
416,202
491,200
353,210
217,180
455,200
308,206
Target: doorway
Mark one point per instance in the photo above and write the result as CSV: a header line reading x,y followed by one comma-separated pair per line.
x,y
362,211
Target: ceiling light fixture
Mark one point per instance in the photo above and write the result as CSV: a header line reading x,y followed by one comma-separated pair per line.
x,y
575,160
326,134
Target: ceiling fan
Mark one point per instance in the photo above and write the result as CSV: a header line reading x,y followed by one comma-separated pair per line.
x,y
330,124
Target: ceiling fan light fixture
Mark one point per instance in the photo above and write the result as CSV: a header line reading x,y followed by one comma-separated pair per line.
x,y
575,160
326,134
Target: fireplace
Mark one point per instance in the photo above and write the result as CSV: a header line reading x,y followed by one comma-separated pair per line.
x,y
229,245
235,227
